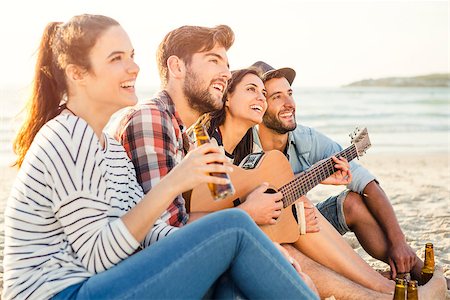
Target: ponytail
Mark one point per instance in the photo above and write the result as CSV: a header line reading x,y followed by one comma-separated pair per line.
x,y
45,96
61,45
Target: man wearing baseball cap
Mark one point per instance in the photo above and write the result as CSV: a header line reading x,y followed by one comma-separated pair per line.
x,y
363,207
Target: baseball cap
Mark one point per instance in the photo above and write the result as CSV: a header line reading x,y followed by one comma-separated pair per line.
x,y
267,69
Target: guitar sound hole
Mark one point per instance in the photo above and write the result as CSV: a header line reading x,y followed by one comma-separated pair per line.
x,y
270,191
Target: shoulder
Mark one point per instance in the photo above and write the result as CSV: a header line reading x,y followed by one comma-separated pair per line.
x,y
308,134
58,145
63,132
149,110
301,131
147,115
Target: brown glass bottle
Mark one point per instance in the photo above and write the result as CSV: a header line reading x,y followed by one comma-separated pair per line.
x,y
411,291
428,264
406,276
400,289
218,191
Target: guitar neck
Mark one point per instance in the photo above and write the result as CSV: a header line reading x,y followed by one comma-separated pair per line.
x,y
308,179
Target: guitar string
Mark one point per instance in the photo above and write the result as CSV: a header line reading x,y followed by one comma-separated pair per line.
x,y
301,185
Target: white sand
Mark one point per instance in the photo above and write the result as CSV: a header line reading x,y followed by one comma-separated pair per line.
x,y
418,186
419,189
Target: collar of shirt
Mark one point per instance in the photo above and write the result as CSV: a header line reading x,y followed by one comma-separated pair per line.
x,y
170,106
290,145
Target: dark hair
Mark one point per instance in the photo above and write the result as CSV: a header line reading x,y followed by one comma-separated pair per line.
x,y
217,118
185,41
61,45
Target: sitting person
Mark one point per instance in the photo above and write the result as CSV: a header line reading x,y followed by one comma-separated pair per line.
x,y
244,105
77,223
363,208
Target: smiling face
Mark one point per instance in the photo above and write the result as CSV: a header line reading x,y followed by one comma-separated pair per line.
x,y
110,81
280,114
247,102
206,79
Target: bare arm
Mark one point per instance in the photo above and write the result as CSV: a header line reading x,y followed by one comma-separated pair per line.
x,y
400,255
199,163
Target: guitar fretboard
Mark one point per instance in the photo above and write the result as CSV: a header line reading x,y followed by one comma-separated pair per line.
x,y
308,179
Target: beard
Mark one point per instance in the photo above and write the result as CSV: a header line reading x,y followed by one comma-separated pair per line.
x,y
271,122
199,99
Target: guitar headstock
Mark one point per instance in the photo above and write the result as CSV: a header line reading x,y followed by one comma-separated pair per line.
x,y
360,138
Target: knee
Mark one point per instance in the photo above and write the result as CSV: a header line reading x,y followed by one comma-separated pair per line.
x,y
354,208
234,217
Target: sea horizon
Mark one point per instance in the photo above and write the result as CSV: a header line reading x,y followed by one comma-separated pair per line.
x,y
399,119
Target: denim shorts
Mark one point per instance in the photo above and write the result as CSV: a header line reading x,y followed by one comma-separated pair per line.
x,y
333,210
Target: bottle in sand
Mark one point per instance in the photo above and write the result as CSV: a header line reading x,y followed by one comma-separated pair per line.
x,y
411,291
400,289
218,191
428,264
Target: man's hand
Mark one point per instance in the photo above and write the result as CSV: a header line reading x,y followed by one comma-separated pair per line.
x,y
401,258
341,177
312,223
263,208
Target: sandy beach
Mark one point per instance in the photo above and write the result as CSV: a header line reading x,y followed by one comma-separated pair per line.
x,y
417,184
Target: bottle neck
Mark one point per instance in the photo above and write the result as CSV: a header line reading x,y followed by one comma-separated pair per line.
x,y
429,258
412,293
400,291
201,136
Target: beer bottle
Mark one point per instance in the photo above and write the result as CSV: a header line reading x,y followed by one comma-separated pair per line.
x,y
428,264
218,191
400,289
406,276
411,292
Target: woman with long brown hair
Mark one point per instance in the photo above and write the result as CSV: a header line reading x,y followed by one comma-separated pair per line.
x,y
232,128
77,224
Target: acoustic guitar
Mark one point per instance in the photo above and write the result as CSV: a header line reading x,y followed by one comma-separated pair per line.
x,y
274,168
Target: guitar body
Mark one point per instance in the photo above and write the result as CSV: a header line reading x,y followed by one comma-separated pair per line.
x,y
274,168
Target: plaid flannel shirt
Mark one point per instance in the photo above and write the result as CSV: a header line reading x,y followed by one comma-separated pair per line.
x,y
152,134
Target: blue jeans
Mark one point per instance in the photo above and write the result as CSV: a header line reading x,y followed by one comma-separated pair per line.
x,y
187,263
333,210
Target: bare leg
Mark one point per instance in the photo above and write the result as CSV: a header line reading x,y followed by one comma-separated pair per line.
x,y
331,283
368,231
328,248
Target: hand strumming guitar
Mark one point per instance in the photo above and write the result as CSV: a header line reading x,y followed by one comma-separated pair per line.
x,y
262,207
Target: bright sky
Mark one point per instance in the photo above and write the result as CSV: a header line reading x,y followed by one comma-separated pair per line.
x,y
328,43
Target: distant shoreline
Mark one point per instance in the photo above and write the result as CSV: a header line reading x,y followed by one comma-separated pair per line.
x,y
430,80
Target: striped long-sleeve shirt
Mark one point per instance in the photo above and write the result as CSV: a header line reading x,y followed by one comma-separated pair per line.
x,y
62,220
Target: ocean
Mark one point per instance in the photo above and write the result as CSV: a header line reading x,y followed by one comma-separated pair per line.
x,y
400,120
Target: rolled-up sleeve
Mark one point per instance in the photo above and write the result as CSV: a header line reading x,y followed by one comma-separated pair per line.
x,y
361,178
324,147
